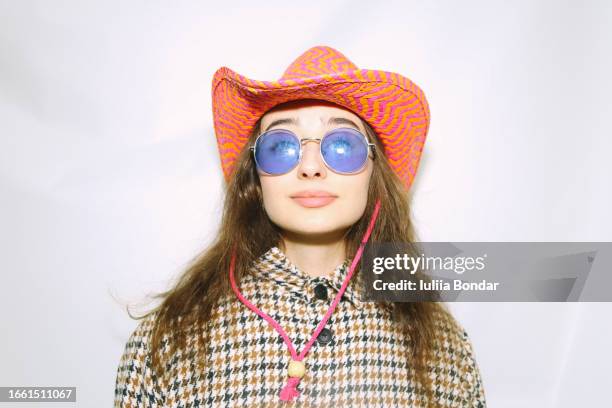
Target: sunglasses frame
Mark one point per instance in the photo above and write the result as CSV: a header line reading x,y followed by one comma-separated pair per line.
x,y
371,147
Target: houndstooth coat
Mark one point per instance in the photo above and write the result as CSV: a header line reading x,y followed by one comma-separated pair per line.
x,y
358,360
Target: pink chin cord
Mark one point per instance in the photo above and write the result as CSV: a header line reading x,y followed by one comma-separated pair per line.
x,y
296,366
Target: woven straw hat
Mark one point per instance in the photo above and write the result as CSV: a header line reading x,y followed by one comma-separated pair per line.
x,y
390,103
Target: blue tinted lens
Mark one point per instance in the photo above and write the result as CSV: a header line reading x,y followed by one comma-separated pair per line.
x,y
344,150
277,151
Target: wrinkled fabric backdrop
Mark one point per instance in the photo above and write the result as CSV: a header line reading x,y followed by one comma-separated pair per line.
x,y
110,180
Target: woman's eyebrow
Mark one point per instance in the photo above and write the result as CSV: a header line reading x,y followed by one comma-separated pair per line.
x,y
284,121
342,121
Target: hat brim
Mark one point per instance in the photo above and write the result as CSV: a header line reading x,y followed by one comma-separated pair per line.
x,y
390,103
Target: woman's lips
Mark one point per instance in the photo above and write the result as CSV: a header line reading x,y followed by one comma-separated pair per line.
x,y
313,202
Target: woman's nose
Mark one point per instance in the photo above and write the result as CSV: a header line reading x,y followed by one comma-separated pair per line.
x,y
312,164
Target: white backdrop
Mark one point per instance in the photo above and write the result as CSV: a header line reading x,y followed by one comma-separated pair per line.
x,y
110,180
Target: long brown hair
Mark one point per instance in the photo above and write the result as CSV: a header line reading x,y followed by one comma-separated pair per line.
x,y
186,308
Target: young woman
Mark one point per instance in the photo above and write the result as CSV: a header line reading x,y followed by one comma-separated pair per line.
x,y
317,164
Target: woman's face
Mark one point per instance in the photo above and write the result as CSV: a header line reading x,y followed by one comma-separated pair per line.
x,y
305,217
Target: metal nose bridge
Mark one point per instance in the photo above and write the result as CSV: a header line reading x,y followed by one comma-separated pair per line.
x,y
308,139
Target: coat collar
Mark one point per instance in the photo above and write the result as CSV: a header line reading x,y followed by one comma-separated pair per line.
x,y
274,265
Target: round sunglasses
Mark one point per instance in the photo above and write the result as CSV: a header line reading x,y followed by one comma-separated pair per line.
x,y
343,150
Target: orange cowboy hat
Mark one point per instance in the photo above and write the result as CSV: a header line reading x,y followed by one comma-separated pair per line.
x,y
390,103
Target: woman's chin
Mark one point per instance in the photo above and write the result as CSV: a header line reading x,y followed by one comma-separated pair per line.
x,y
314,232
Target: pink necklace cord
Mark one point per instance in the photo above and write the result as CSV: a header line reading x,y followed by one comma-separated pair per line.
x,y
289,391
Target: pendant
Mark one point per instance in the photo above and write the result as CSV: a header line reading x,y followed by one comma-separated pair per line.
x,y
296,369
